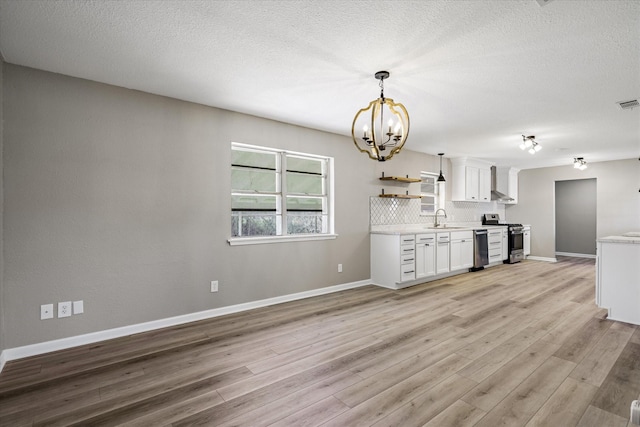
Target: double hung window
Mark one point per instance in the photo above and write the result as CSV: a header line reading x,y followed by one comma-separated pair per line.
x,y
279,193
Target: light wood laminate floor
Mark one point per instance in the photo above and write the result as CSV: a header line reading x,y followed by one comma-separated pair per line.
x,y
516,345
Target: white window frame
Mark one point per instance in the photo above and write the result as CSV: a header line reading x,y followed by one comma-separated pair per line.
x,y
438,194
281,227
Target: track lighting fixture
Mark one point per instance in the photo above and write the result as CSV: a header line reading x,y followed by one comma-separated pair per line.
x,y
530,144
579,163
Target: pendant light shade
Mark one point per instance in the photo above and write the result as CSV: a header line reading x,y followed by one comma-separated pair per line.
x,y
441,177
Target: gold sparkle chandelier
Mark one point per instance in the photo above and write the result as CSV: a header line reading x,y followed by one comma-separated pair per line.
x,y
384,124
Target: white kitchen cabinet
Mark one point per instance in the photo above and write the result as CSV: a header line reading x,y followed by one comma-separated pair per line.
x,y
442,253
507,183
618,278
526,240
425,255
461,250
393,259
484,185
494,239
505,243
471,180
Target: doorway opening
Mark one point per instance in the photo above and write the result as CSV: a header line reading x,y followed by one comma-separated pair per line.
x,y
575,202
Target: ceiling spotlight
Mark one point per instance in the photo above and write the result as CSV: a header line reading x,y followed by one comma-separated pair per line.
x,y
529,143
378,135
579,163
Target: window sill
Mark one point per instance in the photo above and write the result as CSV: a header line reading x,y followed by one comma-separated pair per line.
x,y
238,241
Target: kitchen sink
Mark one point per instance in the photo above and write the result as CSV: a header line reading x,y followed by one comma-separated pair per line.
x,y
446,228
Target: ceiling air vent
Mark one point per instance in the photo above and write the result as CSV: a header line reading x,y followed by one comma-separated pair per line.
x,y
628,105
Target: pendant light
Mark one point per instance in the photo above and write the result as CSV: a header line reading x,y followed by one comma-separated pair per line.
x,y
441,177
381,139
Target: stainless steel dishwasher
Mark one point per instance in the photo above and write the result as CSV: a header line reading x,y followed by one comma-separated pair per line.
x,y
480,249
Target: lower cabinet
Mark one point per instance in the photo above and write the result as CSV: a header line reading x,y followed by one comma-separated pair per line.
x,y
461,250
393,259
526,240
495,245
442,253
505,243
425,255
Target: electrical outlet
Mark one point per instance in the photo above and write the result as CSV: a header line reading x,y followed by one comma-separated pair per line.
x,y
339,268
214,286
64,309
46,311
78,307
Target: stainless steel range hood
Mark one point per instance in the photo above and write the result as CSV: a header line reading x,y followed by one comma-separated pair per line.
x,y
495,194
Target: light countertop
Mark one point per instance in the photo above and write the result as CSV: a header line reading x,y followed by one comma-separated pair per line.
x,y
421,229
630,237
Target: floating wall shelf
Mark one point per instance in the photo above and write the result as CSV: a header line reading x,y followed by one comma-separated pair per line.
x,y
399,178
399,196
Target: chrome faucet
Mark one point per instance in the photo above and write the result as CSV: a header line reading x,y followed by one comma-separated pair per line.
x,y
435,224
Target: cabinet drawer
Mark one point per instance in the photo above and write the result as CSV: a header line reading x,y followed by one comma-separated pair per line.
x,y
443,237
407,272
407,250
461,235
495,255
408,239
408,258
493,244
425,238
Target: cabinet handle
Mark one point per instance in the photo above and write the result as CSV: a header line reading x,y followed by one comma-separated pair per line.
x,y
408,250
411,271
409,259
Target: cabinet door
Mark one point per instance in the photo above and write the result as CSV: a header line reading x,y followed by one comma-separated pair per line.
x,y
527,242
484,185
471,183
425,260
466,253
505,244
442,257
456,255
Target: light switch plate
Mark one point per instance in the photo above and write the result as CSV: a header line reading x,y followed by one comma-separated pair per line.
x,y
78,307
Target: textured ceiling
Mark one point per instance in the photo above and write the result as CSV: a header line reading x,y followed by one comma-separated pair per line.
x,y
474,75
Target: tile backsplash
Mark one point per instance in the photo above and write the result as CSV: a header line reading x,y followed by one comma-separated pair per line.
x,y
392,211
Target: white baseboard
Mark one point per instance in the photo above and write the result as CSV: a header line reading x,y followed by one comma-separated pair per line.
x,y
541,258
576,255
90,338
3,360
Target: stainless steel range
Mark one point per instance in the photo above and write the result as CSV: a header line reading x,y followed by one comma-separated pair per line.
x,y
516,237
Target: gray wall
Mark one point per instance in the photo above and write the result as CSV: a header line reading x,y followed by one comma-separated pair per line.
x,y
617,209
2,316
121,199
576,216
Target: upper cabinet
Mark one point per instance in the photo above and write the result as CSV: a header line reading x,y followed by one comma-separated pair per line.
x,y
507,183
471,180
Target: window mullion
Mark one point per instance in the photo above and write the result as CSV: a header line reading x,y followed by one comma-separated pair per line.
x,y
282,182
